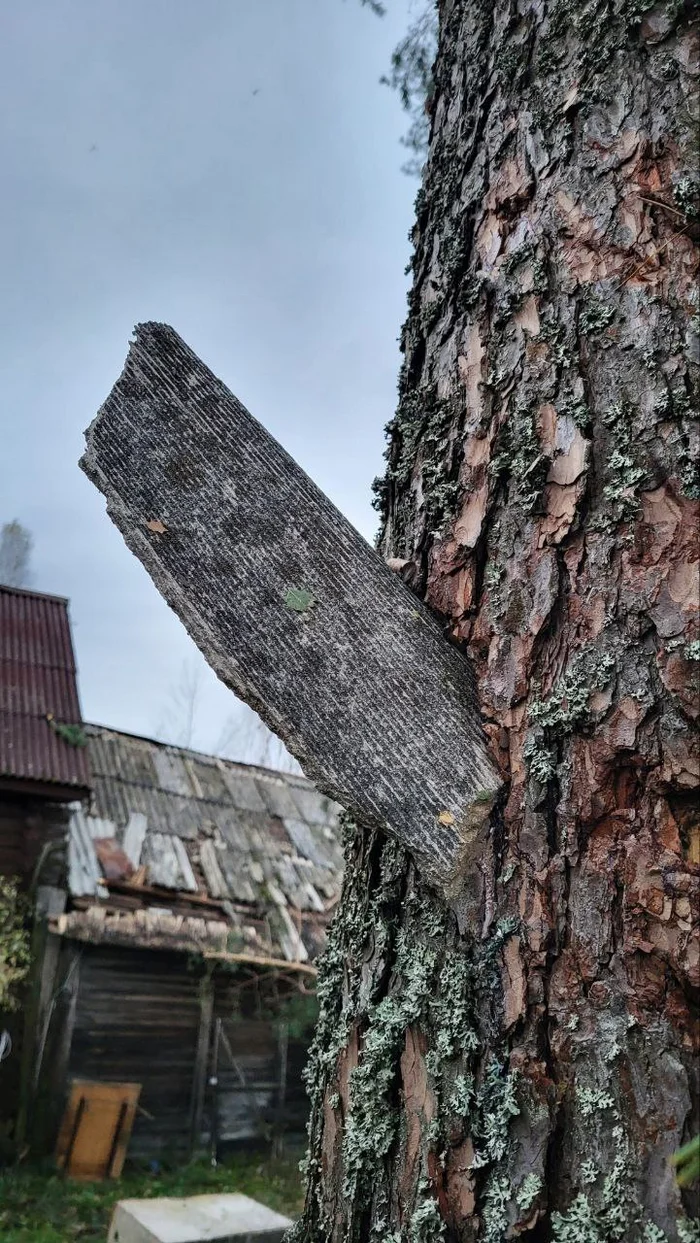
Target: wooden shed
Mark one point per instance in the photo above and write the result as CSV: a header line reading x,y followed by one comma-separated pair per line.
x,y
199,891
41,767
43,771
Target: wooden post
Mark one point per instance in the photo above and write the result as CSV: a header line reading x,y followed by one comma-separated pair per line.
x,y
214,1089
45,949
59,1069
283,1059
291,607
201,1061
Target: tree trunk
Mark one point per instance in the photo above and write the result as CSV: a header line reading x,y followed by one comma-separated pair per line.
x,y
522,1059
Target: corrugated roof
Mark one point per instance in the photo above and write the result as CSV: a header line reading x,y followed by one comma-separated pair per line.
x,y
38,682
263,845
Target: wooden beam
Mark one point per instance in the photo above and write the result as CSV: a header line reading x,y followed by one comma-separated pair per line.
x,y
291,607
201,1061
58,1073
258,960
283,1061
38,1004
165,896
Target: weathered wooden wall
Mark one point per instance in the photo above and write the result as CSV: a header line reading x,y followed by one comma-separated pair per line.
x,y
26,824
137,1016
136,1020
248,1099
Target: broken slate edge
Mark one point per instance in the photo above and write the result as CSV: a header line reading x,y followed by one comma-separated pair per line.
x,y
226,1218
291,607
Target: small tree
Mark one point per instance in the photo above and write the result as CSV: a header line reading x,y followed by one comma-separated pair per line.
x,y
244,737
15,552
180,718
14,944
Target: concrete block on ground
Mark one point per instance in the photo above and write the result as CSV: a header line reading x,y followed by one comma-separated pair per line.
x,y
230,1218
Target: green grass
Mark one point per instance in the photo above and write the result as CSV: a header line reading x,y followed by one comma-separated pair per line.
x,y
42,1207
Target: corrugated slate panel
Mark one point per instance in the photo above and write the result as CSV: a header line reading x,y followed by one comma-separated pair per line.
x,y
305,841
134,836
168,864
209,780
277,798
243,791
214,877
38,679
172,774
313,805
84,869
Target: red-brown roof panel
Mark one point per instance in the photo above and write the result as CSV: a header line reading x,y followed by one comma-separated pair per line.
x,y
38,682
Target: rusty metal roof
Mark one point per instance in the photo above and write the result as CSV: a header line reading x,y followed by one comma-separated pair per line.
x,y
38,691
261,846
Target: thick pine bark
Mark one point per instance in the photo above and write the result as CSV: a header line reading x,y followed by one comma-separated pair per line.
x,y
522,1060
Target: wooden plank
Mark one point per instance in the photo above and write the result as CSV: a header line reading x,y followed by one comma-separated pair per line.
x,y
38,990
69,1001
283,1062
258,960
292,608
201,1061
95,1130
177,899
49,967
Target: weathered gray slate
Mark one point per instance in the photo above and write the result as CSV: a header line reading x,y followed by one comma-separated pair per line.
x,y
291,607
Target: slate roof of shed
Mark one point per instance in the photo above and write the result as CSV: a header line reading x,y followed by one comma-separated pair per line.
x,y
38,686
263,845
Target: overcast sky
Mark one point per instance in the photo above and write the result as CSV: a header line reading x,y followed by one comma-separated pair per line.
x,y
231,167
